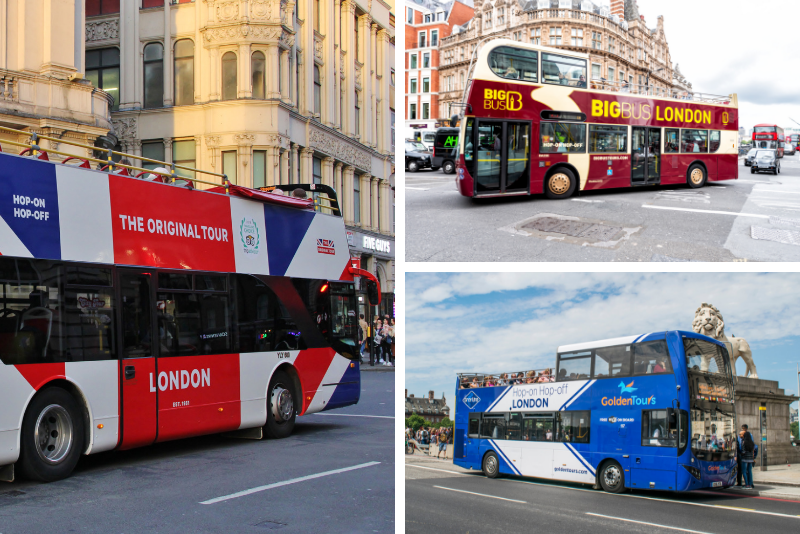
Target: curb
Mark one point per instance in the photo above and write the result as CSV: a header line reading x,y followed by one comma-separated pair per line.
x,y
757,493
367,368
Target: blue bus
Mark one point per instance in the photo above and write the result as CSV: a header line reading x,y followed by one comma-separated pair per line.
x,y
654,411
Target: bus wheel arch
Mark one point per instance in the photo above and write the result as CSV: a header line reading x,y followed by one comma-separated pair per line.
x,y
53,435
561,181
490,464
284,396
697,175
611,476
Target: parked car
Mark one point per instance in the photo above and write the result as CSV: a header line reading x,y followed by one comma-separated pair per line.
x,y
445,147
765,160
417,156
748,159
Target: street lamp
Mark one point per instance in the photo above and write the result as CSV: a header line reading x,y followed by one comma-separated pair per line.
x,y
648,78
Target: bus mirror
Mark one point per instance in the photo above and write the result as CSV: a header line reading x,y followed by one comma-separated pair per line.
x,y
454,121
372,293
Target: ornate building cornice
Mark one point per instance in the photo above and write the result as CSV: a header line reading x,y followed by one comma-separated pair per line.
x,y
343,150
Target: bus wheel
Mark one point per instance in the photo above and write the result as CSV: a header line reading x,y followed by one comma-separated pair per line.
x,y
697,177
612,479
52,436
560,184
281,402
448,167
491,465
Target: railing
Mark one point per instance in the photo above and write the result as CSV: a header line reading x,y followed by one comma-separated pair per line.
x,y
483,380
645,90
9,88
170,176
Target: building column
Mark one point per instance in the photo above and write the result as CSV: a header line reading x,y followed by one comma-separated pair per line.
x,y
374,198
284,77
327,171
306,170
295,175
244,153
130,54
169,70
272,88
370,67
386,195
347,185
168,149
366,194
349,67
245,79
336,48
337,185
214,71
284,177
136,148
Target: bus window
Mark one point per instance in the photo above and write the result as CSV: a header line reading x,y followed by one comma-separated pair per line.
x,y
603,138
557,137
659,428
651,357
714,140
493,426
612,361
695,140
538,428
573,427
561,70
514,63
671,142
574,366
468,147
514,429
474,425
703,356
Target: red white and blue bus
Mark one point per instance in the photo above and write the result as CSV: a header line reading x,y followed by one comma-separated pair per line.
x,y
136,312
653,411
533,125
794,139
769,136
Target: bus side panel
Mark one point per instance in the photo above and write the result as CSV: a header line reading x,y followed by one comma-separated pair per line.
x,y
321,372
198,395
712,166
728,167
99,383
671,170
17,392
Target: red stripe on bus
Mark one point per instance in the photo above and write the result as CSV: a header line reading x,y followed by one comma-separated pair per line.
x,y
39,374
311,365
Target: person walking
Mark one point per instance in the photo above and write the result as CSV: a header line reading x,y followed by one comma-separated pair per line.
x,y
394,342
377,340
388,342
442,444
749,455
363,329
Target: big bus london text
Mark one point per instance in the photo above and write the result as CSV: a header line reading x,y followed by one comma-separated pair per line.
x,y
138,310
532,124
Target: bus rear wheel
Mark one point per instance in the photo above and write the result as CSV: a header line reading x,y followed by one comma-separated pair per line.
x,y
491,465
696,177
52,436
281,403
560,184
612,478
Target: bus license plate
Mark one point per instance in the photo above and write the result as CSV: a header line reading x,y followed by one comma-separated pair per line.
x,y
716,484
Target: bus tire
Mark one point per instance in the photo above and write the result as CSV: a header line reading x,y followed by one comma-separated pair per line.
x,y
448,167
281,406
491,465
561,183
612,477
696,177
52,436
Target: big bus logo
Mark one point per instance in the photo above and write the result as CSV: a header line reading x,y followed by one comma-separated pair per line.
x,y
471,400
500,100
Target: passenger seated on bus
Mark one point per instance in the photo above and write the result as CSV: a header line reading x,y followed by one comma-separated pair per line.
x,y
475,383
582,82
562,375
512,73
661,367
299,193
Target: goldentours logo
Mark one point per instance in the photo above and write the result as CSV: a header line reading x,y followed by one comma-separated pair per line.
x,y
471,400
249,236
633,400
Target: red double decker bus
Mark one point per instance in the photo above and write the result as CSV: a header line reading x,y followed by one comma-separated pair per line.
x,y
769,136
533,124
795,140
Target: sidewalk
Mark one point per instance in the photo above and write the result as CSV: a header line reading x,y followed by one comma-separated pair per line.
x,y
377,368
778,482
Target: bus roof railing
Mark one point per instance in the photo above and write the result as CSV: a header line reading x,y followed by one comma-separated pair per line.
x,y
37,151
465,380
327,201
649,90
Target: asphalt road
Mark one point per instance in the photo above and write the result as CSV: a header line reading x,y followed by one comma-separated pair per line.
x,y
661,223
442,498
160,488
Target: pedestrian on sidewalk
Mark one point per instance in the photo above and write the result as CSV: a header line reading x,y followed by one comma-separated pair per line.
x,y
442,444
749,455
377,340
389,341
363,331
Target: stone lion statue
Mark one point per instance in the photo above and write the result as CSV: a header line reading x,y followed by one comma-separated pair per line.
x,y
708,321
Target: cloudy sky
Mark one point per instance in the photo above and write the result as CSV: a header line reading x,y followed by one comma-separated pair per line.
x,y
476,322
746,47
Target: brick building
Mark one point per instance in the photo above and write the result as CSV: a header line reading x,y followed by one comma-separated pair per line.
x,y
427,22
621,47
430,409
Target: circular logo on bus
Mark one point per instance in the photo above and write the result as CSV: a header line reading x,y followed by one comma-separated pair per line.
x,y
249,236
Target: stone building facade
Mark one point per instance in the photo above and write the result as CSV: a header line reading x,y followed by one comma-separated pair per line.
x,y
431,409
268,92
753,395
621,47
41,85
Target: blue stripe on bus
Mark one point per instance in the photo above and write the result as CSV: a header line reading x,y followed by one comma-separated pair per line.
x,y
580,459
508,388
504,457
589,383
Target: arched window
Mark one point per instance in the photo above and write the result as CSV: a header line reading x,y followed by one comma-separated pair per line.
x,y
258,67
229,76
184,72
153,75
317,90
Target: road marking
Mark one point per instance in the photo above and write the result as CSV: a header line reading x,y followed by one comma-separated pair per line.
x,y
354,415
735,507
707,211
586,200
286,483
435,469
646,523
416,188
480,494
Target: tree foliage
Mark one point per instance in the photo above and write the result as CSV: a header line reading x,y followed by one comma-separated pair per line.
x,y
415,422
793,430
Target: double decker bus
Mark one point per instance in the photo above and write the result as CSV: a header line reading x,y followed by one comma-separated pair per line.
x,y
654,411
138,310
794,139
532,125
769,136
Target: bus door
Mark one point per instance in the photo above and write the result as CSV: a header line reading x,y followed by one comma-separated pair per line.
x,y
503,150
646,156
472,442
138,363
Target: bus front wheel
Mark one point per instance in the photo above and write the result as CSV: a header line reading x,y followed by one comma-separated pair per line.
x,y
52,436
612,478
491,465
560,184
696,177
281,406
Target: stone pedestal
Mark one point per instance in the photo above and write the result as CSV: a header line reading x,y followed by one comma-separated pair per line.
x,y
753,393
